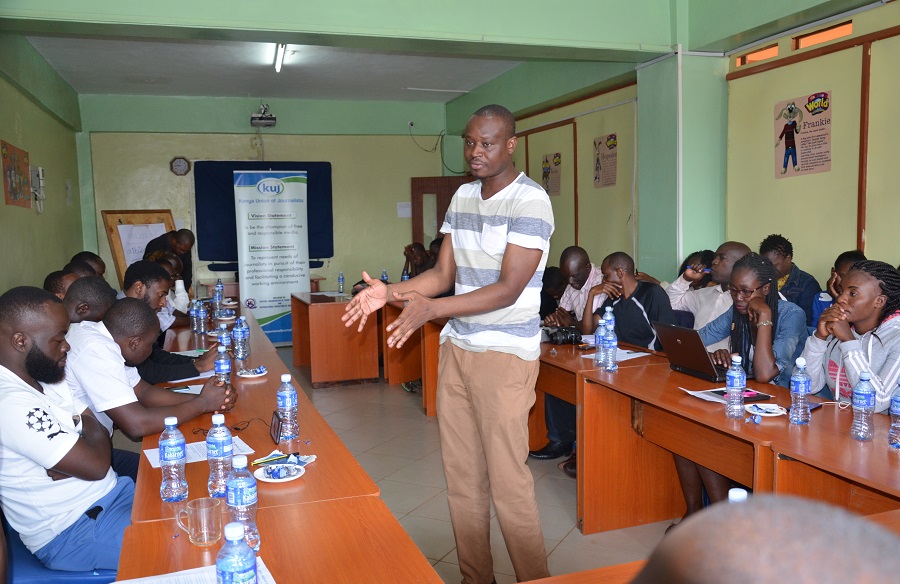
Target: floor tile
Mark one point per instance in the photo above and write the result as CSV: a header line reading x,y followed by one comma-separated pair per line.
x,y
381,465
403,446
404,497
560,491
433,536
429,473
638,539
569,557
434,508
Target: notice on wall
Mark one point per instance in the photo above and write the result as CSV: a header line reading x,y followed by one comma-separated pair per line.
x,y
135,238
273,245
16,175
605,161
551,173
803,135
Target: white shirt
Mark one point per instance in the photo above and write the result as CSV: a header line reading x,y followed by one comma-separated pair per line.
x,y
96,370
37,430
575,300
706,304
178,297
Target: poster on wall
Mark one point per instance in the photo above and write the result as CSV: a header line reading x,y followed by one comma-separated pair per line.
x,y
803,135
550,173
273,246
136,237
605,161
16,175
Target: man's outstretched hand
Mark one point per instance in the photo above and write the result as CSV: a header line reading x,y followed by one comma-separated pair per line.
x,y
366,302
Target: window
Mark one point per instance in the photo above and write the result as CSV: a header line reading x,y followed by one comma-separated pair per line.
x,y
758,55
837,31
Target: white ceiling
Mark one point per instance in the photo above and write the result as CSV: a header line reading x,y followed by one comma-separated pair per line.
x,y
246,69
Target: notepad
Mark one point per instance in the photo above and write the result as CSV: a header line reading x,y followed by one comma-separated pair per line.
x,y
196,451
204,575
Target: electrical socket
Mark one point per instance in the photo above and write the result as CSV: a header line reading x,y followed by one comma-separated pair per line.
x,y
410,123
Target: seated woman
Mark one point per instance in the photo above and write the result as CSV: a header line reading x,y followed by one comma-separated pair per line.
x,y
699,261
767,333
859,332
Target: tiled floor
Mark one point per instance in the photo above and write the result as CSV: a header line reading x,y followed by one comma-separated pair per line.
x,y
388,432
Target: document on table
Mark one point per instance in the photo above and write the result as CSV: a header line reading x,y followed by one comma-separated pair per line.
x,y
621,355
209,373
193,353
718,395
330,294
189,389
204,575
196,451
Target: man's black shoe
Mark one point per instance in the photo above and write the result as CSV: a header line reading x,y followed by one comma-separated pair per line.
x,y
552,450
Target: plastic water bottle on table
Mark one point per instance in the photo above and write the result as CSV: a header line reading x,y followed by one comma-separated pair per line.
x,y
800,391
863,428
241,498
735,383
287,408
236,561
172,457
219,447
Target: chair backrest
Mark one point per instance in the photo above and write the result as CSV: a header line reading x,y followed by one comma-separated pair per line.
x,y
684,318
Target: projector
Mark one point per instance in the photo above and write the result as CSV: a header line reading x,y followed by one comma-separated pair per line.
x,y
262,120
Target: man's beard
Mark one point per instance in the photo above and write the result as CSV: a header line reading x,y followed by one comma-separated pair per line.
x,y
42,368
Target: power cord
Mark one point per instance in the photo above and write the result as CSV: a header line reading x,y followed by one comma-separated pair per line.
x,y
434,148
239,427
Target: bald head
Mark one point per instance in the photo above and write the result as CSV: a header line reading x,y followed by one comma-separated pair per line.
x,y
726,254
88,299
575,266
134,326
774,539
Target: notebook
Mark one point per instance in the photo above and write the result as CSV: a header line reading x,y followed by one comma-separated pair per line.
x,y
687,353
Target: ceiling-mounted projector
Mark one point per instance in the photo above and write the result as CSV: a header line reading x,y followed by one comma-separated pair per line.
x,y
262,119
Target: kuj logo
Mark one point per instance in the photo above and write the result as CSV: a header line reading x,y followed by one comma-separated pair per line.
x,y
270,186
817,103
611,141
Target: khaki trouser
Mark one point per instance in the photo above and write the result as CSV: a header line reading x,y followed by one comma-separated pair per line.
x,y
483,401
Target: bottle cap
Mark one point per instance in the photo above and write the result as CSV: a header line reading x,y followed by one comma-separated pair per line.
x,y
239,461
223,326
221,349
736,359
171,421
801,362
234,531
285,378
865,375
737,495
218,419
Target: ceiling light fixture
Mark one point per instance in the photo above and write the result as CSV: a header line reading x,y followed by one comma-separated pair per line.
x,y
438,90
279,56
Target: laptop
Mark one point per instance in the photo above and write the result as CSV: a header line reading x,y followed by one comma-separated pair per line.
x,y
687,353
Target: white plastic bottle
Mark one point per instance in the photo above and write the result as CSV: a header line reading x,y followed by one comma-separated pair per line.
x,y
236,562
800,390
172,457
340,282
735,383
241,498
610,341
599,355
219,447
863,428
222,365
223,336
287,408
894,433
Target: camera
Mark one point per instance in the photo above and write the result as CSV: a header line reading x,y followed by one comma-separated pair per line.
x,y
568,335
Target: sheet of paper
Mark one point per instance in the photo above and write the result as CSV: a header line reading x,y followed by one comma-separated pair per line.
x,y
192,353
209,373
621,355
706,395
190,389
330,294
204,575
196,451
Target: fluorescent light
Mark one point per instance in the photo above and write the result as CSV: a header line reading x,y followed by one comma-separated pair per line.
x,y
279,57
438,90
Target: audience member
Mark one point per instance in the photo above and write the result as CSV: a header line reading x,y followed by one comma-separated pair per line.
x,y
860,332
58,490
58,282
417,259
774,539
93,260
178,297
581,276
794,284
101,371
88,299
707,304
552,288
180,243
434,248
168,314
81,268
700,261
826,298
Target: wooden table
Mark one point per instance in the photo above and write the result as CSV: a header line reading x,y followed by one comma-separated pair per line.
x,y
332,351
343,541
617,574
430,347
403,364
334,475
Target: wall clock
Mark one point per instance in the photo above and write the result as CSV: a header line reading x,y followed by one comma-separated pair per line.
x,y
180,166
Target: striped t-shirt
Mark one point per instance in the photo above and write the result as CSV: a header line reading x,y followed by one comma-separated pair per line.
x,y
519,214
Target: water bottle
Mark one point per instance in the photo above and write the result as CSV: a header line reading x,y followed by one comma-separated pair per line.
x,y
240,496
217,296
894,434
340,282
405,276
236,562
863,428
218,454
172,456
192,312
201,318
800,390
223,336
609,319
245,337
287,408
610,342
599,355
737,495
223,365
384,276
237,340
735,383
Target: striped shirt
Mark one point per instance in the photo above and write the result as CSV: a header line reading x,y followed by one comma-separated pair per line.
x,y
519,214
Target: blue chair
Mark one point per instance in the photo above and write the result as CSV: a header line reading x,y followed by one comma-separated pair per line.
x,y
24,568
684,318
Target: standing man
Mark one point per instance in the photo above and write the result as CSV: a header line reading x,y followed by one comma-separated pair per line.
x,y
499,235
180,243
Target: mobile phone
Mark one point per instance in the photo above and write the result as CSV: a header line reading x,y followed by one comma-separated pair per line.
x,y
275,427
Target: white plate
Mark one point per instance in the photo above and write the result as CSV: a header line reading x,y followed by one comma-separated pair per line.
x,y
252,375
213,333
229,302
260,474
765,410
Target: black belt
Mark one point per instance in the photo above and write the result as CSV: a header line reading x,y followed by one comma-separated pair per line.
x,y
94,511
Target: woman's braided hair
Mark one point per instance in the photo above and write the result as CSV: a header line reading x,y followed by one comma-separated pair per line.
x,y
889,280
741,334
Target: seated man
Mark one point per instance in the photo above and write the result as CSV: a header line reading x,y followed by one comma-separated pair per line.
x,y
88,299
794,284
91,259
58,490
826,298
149,282
552,287
81,268
707,304
178,298
417,259
168,314
180,243
101,371
58,282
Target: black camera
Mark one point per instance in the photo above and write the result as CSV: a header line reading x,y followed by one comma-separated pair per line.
x,y
568,335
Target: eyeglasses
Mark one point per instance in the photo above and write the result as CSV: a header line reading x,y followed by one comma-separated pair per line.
x,y
745,293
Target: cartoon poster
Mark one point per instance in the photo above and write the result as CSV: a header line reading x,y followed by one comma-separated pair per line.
x,y
16,175
803,135
605,161
550,173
